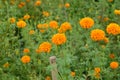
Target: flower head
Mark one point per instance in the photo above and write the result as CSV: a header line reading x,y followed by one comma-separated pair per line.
x,y
112,56
45,47
48,78
67,5
117,12
46,13
114,65
86,22
31,32
59,39
113,29
6,65
26,17
38,3
97,35
12,20
21,24
72,74
25,59
53,24
26,50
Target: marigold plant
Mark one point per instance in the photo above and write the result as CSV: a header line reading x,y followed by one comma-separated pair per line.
x,y
53,24
114,65
21,24
25,59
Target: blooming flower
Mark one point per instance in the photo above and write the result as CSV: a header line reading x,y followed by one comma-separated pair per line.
x,y
45,13
31,32
53,24
21,24
97,72
72,74
38,3
48,78
113,29
112,56
12,20
106,40
6,65
25,59
117,12
59,39
45,47
114,65
67,5
26,17
97,35
26,50
86,22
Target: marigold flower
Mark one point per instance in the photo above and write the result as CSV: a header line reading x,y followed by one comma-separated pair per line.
x,y
72,74
112,56
38,3
113,29
39,26
64,27
97,75
45,47
21,24
38,51
31,32
12,20
110,0
114,65
26,50
67,5
59,39
97,70
6,65
25,59
97,35
45,13
105,19
117,12
86,22
27,0
26,17
42,30
45,25
53,24
48,78
106,40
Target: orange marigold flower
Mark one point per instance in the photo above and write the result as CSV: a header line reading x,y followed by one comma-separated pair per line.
x,y
97,70
53,24
26,17
64,27
72,74
12,20
6,65
31,32
106,40
117,12
22,3
114,65
39,26
97,75
113,29
45,47
106,19
110,0
38,3
48,78
45,13
27,0
86,22
112,56
21,24
97,35
26,50
59,39
45,25
25,59
42,30
67,5
38,51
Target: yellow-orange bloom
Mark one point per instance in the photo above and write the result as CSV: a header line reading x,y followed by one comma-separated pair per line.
x,y
26,50
48,78
27,0
97,35
114,65
45,13
117,12
21,24
64,27
12,20
26,17
113,29
67,5
53,24
72,74
45,47
110,0
97,70
86,22
106,40
31,32
25,59
6,65
38,3
112,56
59,39
38,51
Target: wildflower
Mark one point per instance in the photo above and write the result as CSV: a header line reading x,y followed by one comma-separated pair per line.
x,y
26,50
112,56
42,30
27,0
12,20
106,40
105,19
67,5
21,24
45,47
45,25
39,26
48,78
53,24
117,12
26,17
97,35
86,22
64,27
25,59
114,65
72,74
38,3
97,72
113,29
6,65
31,32
110,0
59,39
45,13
